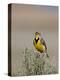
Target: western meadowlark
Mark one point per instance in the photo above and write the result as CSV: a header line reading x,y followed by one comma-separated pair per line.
x,y
40,44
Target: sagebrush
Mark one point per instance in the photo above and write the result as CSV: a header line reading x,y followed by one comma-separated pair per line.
x,y
37,65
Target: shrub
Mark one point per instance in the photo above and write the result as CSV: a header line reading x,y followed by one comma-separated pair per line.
x,y
35,64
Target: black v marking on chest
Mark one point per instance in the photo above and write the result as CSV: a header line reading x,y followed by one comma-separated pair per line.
x,y
36,40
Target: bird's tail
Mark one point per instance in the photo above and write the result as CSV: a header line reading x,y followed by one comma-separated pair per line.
x,y
46,54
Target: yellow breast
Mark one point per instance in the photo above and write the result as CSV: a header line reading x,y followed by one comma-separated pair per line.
x,y
40,47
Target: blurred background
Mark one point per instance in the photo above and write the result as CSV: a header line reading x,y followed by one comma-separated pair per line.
x,y
28,19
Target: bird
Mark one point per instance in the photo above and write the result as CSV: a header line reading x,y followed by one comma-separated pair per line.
x,y
40,44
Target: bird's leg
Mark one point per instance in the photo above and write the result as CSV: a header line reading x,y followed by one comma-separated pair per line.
x,y
46,55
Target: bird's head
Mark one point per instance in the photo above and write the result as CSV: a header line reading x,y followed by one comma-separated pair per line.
x,y
37,35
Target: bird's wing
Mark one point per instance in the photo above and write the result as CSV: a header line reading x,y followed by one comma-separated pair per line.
x,y
43,42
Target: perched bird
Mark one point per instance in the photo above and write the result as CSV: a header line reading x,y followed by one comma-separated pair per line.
x,y
40,44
